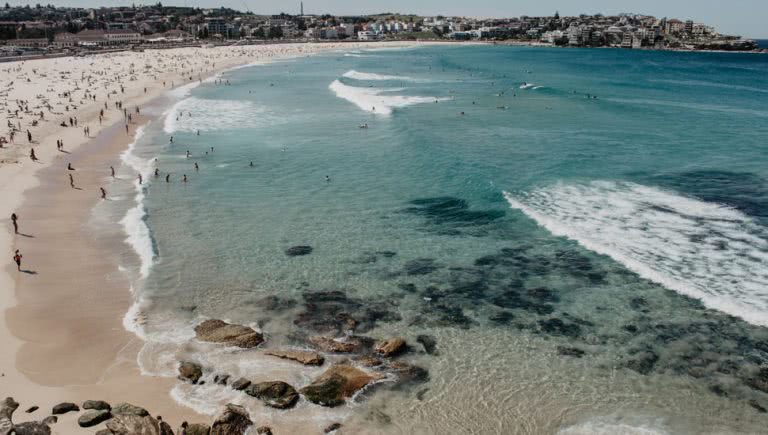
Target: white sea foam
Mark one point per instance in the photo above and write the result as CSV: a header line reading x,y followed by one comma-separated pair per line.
x,y
703,250
530,86
136,230
210,115
376,100
601,426
356,75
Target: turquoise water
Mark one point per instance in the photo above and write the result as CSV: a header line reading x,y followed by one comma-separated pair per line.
x,y
504,200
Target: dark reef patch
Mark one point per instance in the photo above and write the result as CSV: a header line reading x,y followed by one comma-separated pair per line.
x,y
333,312
420,266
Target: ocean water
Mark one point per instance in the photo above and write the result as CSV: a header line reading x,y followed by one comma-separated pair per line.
x,y
583,232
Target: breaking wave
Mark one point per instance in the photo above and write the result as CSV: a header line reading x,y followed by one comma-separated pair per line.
x,y
192,114
375,100
703,250
356,75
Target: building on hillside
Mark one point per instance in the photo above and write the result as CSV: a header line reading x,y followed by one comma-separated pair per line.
x,y
29,42
121,36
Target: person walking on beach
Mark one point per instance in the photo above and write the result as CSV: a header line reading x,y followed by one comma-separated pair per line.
x,y
141,179
32,155
185,178
167,178
157,172
69,167
17,259
112,169
71,181
103,193
15,219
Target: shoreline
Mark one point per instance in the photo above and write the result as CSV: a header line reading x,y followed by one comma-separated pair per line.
x,y
62,327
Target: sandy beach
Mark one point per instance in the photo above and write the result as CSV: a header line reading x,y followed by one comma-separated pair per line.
x,y
61,317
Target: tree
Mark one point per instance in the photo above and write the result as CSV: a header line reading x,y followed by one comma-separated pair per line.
x,y
205,33
275,33
259,33
557,15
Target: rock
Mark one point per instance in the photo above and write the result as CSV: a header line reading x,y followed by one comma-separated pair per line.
x,y
94,417
264,430
51,419
392,347
338,383
759,381
133,424
165,428
32,428
218,331
333,312
194,429
570,351
305,357
190,372
7,407
332,427
276,394
429,342
128,409
234,420
753,403
556,326
104,432
328,344
63,408
644,362
298,250
96,404
369,361
32,409
221,379
408,373
240,384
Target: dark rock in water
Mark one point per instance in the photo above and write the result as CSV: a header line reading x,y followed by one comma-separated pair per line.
x,y
448,210
234,420
190,372
241,384
502,317
276,394
93,417
408,287
386,254
305,357
639,304
218,331
221,379
391,347
333,312
128,409
408,374
32,409
63,408
644,362
429,342
7,407
753,403
328,344
513,299
298,250
276,303
332,427
718,390
556,326
420,266
759,381
630,328
451,315
337,384
51,419
488,260
368,361
570,351
32,428
96,404
264,430
194,429
378,416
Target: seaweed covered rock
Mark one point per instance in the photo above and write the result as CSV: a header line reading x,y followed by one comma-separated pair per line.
x,y
337,384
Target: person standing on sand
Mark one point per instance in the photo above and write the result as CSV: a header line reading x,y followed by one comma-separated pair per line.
x,y
112,168
103,193
167,178
71,181
15,219
141,179
185,178
32,155
17,259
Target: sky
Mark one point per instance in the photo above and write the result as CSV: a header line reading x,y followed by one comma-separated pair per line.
x,y
748,18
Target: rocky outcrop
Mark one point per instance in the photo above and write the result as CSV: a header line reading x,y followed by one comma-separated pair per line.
x,y
392,347
352,343
264,430
7,408
129,419
337,384
240,384
276,394
295,251
96,404
429,342
305,357
128,409
218,331
63,408
408,373
190,372
234,420
32,428
194,429
93,417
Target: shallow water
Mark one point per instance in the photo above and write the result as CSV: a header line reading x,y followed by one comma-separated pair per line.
x,y
540,224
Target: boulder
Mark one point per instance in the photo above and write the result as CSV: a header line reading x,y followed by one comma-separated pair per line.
x,y
234,420
369,361
240,384
63,408
32,409
132,424
295,251
221,379
392,347
128,409
570,351
51,419
194,429
332,427
190,372
96,404
165,428
7,408
338,383
94,417
328,344
408,373
264,430
32,428
276,394
429,342
305,357
218,331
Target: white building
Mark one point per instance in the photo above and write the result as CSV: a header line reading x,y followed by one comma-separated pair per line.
x,y
367,35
